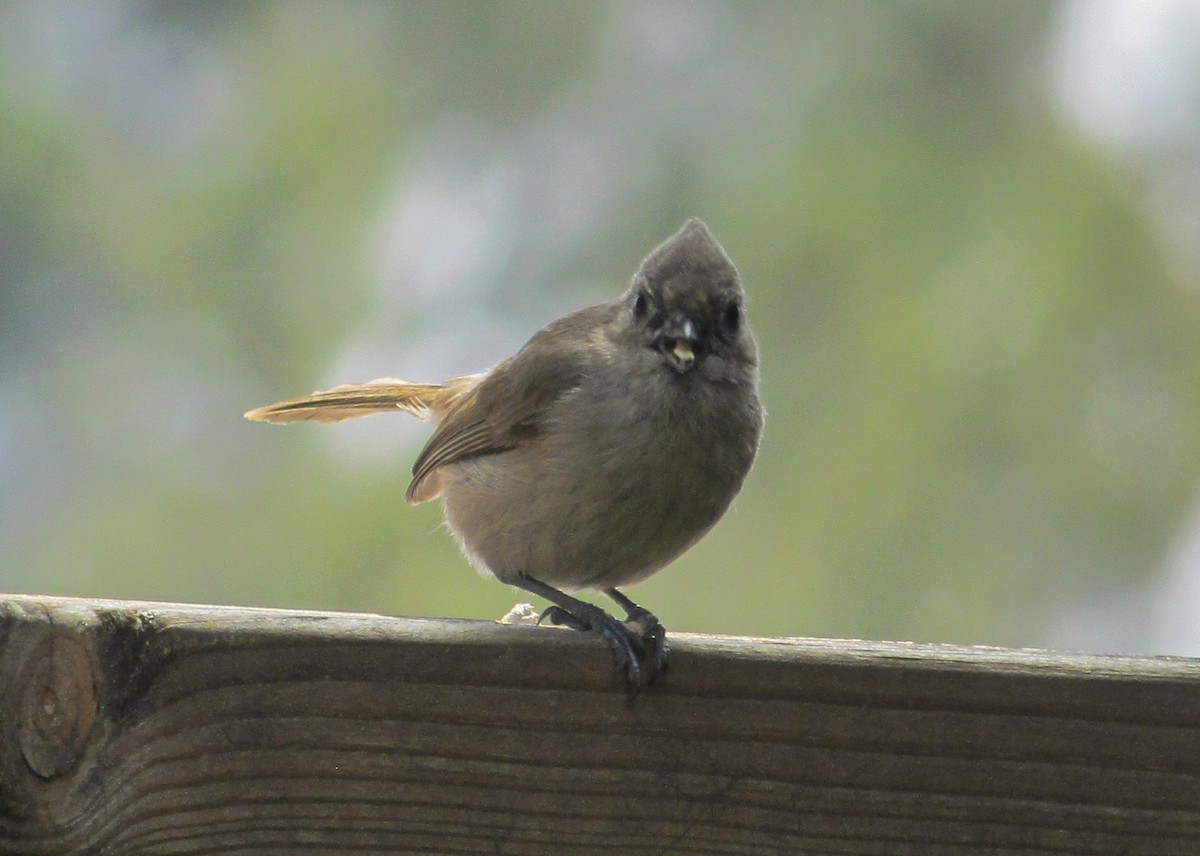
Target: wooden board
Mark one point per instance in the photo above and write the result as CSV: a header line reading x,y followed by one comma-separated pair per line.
x,y
142,728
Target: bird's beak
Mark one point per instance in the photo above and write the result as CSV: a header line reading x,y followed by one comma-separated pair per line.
x,y
677,340
682,349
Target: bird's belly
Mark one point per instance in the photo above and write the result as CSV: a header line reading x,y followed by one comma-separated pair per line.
x,y
581,520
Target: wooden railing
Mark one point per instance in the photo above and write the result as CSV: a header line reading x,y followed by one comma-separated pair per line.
x,y
141,728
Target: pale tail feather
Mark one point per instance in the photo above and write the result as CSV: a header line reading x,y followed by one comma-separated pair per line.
x,y
429,401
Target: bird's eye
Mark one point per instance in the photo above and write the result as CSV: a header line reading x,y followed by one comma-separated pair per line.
x,y
640,304
731,318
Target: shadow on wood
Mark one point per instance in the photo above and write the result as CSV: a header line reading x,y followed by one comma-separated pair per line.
x,y
139,728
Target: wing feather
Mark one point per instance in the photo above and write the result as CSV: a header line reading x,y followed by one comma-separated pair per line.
x,y
507,407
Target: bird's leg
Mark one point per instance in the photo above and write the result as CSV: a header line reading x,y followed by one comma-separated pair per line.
x,y
648,628
578,614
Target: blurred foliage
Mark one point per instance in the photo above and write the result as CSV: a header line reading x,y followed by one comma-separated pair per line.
x,y
981,377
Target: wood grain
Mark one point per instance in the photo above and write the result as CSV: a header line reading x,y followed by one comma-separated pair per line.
x,y
139,728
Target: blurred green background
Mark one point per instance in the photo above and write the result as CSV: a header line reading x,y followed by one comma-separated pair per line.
x,y
968,231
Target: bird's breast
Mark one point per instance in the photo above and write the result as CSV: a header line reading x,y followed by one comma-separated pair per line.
x,y
620,479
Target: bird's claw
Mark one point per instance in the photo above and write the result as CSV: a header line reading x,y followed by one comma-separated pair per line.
x,y
654,640
628,640
559,617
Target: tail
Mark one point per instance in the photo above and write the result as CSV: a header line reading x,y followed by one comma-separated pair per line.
x,y
428,401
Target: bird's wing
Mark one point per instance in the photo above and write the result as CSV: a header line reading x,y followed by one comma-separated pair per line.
x,y
508,406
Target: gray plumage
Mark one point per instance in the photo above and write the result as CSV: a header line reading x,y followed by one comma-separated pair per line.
x,y
600,451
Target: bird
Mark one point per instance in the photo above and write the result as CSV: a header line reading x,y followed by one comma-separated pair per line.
x,y
599,452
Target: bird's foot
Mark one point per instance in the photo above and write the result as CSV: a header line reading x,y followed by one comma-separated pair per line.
x,y
654,640
649,629
627,643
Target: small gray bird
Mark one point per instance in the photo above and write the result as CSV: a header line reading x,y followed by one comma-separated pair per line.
x,y
600,451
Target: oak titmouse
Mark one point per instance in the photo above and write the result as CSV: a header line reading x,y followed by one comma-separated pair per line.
x,y
600,451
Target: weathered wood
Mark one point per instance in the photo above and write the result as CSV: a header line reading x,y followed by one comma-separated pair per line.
x,y
137,728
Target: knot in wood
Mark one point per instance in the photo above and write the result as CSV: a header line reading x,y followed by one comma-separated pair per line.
x,y
57,706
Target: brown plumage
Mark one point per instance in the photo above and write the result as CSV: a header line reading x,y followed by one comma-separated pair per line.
x,y
601,450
